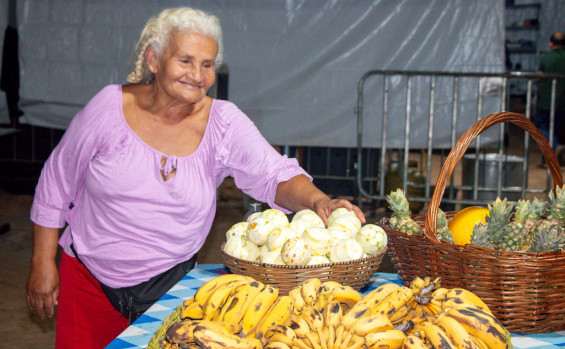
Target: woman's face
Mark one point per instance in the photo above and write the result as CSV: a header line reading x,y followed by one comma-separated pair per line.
x,y
185,70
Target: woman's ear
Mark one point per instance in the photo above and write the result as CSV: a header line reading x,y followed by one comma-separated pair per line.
x,y
151,59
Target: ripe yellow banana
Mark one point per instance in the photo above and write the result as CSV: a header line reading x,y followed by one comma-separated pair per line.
x,y
181,332
315,321
281,333
414,342
211,338
377,295
188,302
231,303
206,290
258,307
400,314
332,318
222,326
194,311
310,289
481,324
344,294
395,301
417,284
392,339
218,298
297,300
431,310
416,312
277,345
366,325
277,314
437,337
240,300
479,344
468,297
455,331
320,303
302,330
347,322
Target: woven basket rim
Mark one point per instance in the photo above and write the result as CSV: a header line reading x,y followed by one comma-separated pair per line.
x,y
227,256
470,247
457,152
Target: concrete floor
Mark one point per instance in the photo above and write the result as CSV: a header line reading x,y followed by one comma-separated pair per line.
x,y
20,329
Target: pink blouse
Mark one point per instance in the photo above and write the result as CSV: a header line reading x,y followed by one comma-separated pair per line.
x,y
128,224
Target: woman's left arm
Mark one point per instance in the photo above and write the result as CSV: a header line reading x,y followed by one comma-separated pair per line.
x,y
299,193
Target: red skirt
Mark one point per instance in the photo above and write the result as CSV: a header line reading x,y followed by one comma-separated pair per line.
x,y
85,317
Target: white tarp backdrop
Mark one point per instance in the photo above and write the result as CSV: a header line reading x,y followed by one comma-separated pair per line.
x,y
294,65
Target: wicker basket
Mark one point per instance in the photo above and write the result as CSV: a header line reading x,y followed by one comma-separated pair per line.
x,y
524,290
356,273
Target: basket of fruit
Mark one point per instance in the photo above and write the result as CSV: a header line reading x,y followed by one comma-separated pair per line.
x,y
512,255
281,252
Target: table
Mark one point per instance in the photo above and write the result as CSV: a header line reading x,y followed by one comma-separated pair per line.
x,y
138,334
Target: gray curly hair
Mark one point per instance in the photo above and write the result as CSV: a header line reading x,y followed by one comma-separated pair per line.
x,y
157,33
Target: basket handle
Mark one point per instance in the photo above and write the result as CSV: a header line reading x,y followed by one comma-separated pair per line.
x,y
455,155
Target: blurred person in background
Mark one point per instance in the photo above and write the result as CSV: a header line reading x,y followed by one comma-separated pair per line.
x,y
553,62
134,180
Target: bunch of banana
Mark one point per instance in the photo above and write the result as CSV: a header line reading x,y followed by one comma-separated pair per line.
x,y
467,326
203,333
332,328
317,294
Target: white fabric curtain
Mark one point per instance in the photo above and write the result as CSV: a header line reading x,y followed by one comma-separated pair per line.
x,y
294,65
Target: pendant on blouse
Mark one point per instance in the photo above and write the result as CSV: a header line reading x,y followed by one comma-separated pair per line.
x,y
168,167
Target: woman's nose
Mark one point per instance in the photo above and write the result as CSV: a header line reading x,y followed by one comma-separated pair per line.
x,y
195,73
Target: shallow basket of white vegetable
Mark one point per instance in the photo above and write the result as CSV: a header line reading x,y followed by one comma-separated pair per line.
x,y
284,253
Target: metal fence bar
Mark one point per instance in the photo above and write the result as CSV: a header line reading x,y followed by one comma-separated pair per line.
x,y
475,188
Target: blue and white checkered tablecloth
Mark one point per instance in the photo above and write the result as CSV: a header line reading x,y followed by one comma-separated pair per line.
x,y
138,334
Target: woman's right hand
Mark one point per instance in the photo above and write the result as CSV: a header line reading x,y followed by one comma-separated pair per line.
x,y
43,288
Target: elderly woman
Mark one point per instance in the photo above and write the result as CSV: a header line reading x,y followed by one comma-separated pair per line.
x,y
135,179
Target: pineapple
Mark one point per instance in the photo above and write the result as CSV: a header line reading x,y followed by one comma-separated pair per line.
x,y
481,236
547,234
443,232
549,238
400,219
537,210
516,231
555,212
499,216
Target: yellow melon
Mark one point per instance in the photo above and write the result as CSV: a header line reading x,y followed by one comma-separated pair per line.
x,y
461,225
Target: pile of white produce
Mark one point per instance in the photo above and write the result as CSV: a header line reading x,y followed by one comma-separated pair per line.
x,y
269,237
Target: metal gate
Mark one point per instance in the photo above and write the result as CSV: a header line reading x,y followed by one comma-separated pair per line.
x,y
406,151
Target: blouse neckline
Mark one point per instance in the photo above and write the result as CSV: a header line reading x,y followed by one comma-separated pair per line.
x,y
130,130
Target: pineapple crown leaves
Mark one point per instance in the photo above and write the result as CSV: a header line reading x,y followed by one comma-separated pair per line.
x,y
549,238
480,236
499,216
499,213
557,204
537,208
398,203
441,219
522,210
